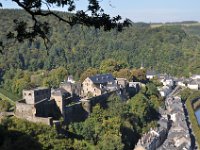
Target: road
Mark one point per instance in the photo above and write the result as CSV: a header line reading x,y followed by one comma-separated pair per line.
x,y
194,145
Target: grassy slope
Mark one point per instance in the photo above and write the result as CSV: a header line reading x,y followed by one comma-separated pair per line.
x,y
8,96
195,126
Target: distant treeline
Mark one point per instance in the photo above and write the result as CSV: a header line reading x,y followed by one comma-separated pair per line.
x,y
171,49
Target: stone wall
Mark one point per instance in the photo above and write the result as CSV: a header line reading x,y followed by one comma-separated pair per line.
x,y
75,113
48,108
101,99
35,95
47,121
24,110
42,112
79,112
90,88
73,88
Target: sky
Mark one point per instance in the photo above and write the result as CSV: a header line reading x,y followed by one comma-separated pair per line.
x,y
142,10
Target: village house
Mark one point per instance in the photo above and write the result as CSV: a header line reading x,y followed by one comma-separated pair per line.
x,y
181,82
168,82
98,84
193,85
178,135
195,77
150,74
122,82
164,91
155,137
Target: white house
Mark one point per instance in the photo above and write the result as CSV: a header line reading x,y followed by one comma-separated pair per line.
x,y
195,76
168,82
193,85
164,91
150,74
181,83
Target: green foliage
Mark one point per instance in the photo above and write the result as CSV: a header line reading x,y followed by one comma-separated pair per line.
x,y
82,145
79,48
4,105
87,73
119,124
10,96
139,105
123,73
54,77
111,65
138,75
187,96
110,142
151,89
20,134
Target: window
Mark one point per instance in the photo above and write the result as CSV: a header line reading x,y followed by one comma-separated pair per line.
x,y
29,94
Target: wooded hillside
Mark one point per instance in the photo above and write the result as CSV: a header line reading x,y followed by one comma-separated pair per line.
x,y
172,49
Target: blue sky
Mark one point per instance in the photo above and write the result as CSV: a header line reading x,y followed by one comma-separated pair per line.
x,y
143,10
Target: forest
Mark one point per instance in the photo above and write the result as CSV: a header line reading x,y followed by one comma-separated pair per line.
x,y
82,51
170,49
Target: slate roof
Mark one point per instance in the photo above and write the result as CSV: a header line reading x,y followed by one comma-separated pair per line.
x,y
102,78
151,72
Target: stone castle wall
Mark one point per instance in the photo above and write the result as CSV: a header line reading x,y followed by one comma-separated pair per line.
x,y
24,110
75,113
79,112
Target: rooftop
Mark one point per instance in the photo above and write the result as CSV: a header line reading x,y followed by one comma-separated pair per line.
x,y
102,78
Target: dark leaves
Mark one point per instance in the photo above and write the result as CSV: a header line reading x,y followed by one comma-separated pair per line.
x,y
97,18
1,47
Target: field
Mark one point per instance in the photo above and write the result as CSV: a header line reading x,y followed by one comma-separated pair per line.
x,y
155,25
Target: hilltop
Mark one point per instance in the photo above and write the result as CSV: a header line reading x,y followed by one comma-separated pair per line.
x,y
172,49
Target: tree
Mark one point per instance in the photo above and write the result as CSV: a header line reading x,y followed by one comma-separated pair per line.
x,y
21,134
4,105
123,73
54,77
139,74
93,16
111,142
151,89
111,65
87,73
139,105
